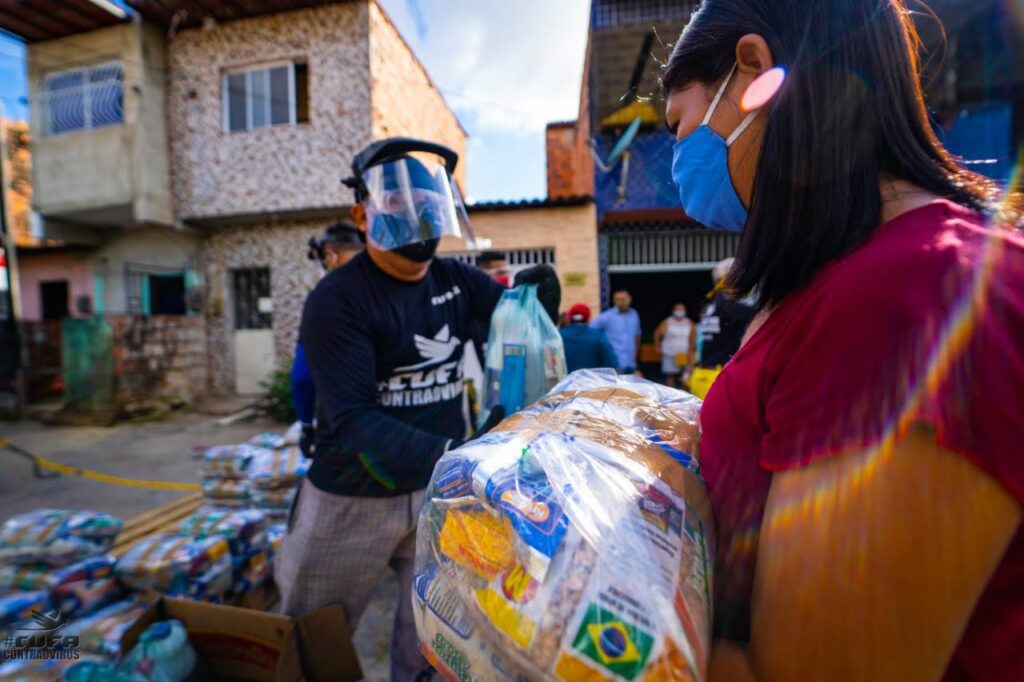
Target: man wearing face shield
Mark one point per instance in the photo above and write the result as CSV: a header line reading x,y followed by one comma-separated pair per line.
x,y
384,338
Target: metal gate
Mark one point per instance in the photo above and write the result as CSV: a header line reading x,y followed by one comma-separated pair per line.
x,y
517,259
668,251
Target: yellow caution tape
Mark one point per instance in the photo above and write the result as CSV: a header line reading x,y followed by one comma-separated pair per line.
x,y
44,463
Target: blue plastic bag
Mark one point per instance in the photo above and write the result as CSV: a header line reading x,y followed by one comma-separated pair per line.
x,y
525,358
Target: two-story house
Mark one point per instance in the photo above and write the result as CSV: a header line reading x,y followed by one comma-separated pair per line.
x,y
188,150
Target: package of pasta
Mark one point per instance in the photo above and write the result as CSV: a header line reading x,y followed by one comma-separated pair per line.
x,y
228,461
56,537
168,563
27,577
573,542
244,529
278,468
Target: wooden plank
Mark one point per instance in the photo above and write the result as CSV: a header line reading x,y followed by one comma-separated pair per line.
x,y
165,517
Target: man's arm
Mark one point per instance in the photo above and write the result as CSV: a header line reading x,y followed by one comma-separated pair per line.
x,y
342,359
303,388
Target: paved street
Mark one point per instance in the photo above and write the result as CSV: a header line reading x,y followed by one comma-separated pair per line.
x,y
167,451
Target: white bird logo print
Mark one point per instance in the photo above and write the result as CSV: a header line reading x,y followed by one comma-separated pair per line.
x,y
435,350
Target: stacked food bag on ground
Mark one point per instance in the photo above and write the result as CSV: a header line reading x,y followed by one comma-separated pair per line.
x,y
54,568
264,473
56,559
274,477
574,542
163,653
223,475
216,555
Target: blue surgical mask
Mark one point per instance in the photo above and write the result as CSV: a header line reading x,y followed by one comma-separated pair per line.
x,y
700,169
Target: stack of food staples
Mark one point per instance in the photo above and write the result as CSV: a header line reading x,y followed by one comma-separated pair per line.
x,y
575,542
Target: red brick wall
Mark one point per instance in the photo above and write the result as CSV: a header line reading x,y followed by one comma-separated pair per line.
x,y
158,358
570,165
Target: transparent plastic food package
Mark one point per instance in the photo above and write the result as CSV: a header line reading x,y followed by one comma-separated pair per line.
x,y
173,563
244,529
525,357
278,468
56,536
87,596
100,633
574,542
26,577
225,492
228,461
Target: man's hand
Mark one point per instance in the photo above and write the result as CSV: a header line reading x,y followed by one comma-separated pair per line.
x,y
307,440
549,291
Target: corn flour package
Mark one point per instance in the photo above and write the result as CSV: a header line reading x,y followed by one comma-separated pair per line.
x,y
574,542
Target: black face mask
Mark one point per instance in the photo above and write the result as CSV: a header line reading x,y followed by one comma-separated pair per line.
x,y
420,252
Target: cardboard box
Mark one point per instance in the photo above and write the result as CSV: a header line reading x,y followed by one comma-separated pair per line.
x,y
243,644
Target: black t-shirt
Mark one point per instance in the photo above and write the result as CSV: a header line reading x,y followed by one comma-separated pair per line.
x,y
386,358
723,322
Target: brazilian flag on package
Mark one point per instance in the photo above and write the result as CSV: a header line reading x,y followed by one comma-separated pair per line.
x,y
613,643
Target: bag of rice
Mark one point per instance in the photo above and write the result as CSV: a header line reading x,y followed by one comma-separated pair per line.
x,y
575,542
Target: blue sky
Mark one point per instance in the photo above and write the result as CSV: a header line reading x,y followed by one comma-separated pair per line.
x,y
505,68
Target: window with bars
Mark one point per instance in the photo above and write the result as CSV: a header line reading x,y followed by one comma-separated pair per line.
x,y
83,98
251,287
154,290
271,95
516,258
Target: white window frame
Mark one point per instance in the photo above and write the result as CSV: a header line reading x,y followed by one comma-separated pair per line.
x,y
86,90
248,71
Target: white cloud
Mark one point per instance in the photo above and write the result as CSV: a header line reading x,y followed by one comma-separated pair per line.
x,y
509,67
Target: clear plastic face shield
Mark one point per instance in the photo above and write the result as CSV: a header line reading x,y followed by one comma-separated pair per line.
x,y
410,201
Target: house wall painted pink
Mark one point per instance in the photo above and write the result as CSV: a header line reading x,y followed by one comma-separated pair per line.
x,y
33,268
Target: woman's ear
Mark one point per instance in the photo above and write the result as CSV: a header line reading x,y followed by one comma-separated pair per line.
x,y
753,56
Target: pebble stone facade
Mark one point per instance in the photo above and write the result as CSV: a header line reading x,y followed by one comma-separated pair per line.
x,y
250,190
282,248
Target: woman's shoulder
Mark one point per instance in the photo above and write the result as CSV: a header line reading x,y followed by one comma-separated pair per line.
x,y
919,264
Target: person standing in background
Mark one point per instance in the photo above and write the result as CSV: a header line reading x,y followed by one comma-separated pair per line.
x,y
622,325
585,347
674,339
723,322
495,265
338,245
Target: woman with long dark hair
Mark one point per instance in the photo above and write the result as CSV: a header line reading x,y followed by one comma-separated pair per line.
x,y
864,449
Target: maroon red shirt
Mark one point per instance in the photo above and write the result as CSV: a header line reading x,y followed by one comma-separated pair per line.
x,y
923,323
